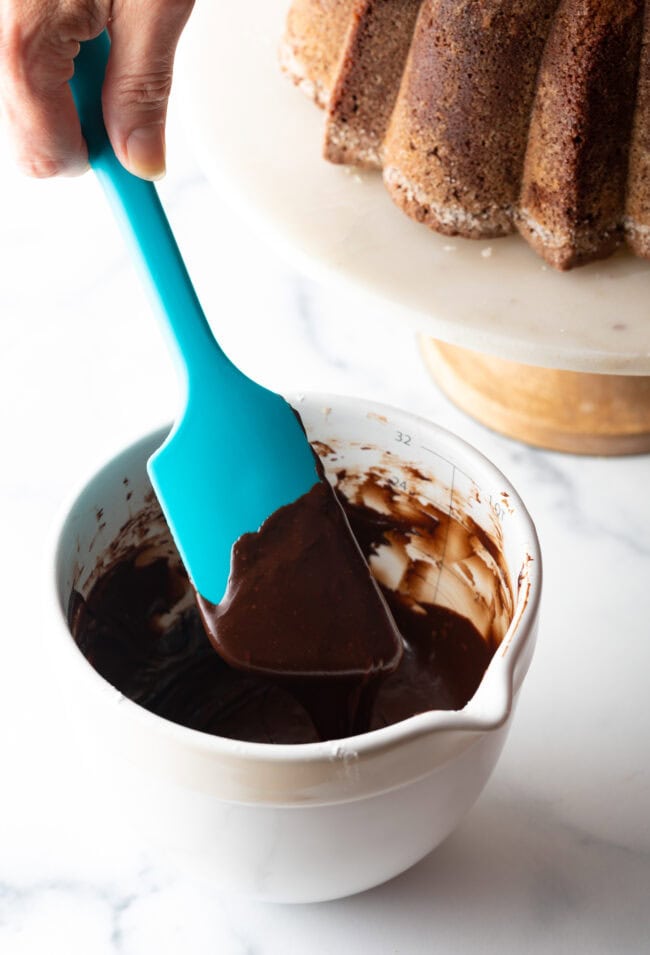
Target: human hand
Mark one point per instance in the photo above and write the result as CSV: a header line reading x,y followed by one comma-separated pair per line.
x,y
38,42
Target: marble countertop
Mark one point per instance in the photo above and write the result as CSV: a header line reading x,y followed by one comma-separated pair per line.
x,y
555,857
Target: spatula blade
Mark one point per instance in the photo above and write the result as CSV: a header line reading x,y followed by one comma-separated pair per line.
x,y
223,471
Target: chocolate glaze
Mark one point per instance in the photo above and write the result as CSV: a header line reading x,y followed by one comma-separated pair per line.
x,y
139,626
303,609
140,631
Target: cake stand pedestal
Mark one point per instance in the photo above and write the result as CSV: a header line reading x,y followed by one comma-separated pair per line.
x,y
560,360
548,407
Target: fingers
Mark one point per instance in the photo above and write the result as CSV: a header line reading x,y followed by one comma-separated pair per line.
x,y
138,80
38,42
36,62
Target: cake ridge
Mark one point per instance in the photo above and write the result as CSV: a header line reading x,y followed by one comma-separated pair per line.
x,y
369,76
576,168
479,169
636,218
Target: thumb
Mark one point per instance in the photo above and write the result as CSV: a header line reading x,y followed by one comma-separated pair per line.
x,y
138,80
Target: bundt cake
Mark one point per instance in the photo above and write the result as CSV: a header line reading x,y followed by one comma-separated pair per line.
x,y
491,116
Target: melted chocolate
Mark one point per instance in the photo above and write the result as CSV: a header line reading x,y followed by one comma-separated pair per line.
x,y
303,609
141,629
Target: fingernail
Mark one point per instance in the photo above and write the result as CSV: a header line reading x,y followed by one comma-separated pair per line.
x,y
145,150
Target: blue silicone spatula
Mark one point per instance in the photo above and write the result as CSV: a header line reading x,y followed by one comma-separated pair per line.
x,y
237,452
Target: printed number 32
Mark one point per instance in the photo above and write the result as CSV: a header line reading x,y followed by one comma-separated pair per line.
x,y
402,438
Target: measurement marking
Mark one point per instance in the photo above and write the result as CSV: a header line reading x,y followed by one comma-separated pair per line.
x,y
465,474
447,461
444,546
423,553
435,453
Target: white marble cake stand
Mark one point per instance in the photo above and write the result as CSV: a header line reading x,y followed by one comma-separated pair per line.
x,y
258,140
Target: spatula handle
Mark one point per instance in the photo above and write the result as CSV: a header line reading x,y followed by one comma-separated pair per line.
x,y
144,224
